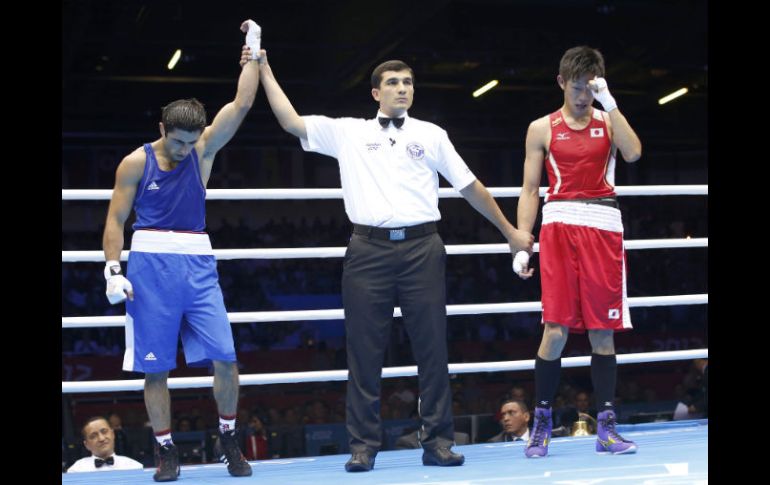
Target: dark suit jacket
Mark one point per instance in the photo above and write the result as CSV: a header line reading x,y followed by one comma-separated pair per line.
x,y
503,436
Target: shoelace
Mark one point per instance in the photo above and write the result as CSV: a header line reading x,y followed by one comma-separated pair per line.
x,y
164,452
609,425
539,435
230,447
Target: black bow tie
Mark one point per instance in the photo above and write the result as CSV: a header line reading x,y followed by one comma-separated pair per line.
x,y
98,462
397,122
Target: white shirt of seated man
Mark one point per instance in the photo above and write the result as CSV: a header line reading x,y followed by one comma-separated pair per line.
x,y
99,439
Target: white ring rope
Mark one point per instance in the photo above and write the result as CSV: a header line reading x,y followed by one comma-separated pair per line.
x,y
444,193
338,313
342,375
338,252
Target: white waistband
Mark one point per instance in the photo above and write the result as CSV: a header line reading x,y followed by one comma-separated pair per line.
x,y
583,214
171,242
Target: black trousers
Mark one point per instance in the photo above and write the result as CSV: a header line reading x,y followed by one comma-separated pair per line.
x,y
378,275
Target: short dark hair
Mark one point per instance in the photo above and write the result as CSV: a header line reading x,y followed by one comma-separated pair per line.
x,y
91,420
184,114
522,405
393,65
579,61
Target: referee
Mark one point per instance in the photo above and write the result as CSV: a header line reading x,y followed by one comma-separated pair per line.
x,y
389,168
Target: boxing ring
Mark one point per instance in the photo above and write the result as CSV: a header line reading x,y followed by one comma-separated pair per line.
x,y
669,453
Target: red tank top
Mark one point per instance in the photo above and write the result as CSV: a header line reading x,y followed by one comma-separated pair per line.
x,y
580,163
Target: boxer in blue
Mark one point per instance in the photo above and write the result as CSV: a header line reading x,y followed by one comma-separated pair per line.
x,y
172,282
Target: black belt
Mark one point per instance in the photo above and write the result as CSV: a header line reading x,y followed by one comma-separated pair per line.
x,y
606,201
396,233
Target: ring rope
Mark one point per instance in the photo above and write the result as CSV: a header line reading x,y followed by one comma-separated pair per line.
x,y
338,313
387,372
336,193
338,252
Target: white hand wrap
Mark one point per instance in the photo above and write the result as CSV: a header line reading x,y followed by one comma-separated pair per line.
x,y
603,95
117,284
520,261
253,38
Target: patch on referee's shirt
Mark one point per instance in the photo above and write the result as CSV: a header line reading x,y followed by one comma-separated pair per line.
x,y
415,151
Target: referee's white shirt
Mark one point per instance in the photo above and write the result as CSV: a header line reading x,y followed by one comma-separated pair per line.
x,y
389,175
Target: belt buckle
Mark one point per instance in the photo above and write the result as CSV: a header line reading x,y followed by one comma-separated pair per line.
x,y
398,234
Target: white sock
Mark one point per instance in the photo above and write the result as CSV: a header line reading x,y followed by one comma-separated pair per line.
x,y
226,424
164,439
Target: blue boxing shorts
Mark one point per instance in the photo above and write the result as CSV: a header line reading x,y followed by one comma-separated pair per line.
x,y
176,291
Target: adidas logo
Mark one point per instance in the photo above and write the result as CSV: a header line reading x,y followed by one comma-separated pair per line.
x,y
153,186
150,356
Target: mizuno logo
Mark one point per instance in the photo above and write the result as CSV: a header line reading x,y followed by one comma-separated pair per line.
x,y
607,443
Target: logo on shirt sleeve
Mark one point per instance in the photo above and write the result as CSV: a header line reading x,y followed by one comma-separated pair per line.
x,y
415,151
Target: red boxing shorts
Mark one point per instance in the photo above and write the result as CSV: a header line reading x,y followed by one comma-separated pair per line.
x,y
583,267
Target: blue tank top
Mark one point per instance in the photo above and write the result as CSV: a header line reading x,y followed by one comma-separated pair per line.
x,y
173,200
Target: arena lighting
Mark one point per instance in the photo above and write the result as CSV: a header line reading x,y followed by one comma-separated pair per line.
x,y
174,59
483,89
674,95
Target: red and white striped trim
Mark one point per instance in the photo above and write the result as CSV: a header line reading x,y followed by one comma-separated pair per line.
x,y
556,172
609,170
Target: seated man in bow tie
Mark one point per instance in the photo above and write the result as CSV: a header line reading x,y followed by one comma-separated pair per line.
x,y
99,439
514,419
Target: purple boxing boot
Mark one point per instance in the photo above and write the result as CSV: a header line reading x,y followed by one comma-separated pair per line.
x,y
607,439
537,445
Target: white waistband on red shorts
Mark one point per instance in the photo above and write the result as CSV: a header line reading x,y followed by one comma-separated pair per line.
x,y
583,214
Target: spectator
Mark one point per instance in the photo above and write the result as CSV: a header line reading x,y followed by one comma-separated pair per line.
x,y
514,420
99,439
